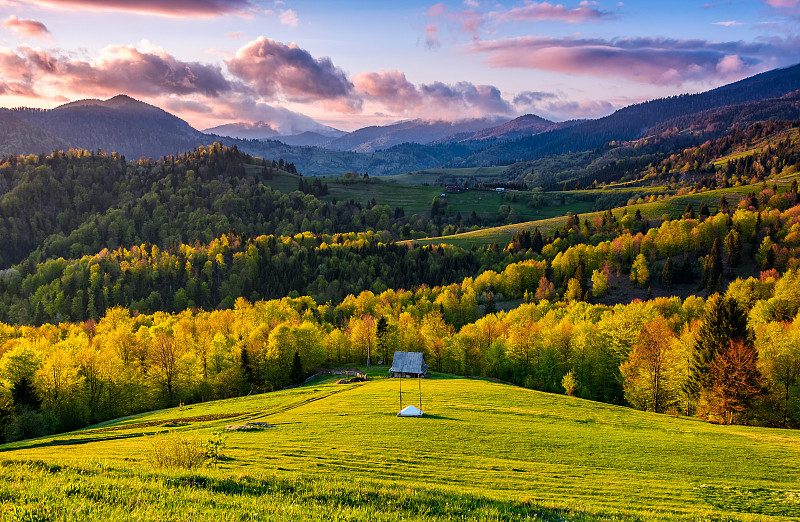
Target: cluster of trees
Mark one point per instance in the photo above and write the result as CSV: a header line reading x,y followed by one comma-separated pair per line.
x,y
732,358
76,203
146,278
581,261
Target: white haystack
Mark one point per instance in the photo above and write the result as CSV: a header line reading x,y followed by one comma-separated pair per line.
x,y
410,411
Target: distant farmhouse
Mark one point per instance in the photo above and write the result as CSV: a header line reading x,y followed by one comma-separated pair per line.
x,y
408,364
453,187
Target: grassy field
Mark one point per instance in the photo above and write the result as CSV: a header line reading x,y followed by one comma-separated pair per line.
x,y
671,207
417,199
433,176
483,450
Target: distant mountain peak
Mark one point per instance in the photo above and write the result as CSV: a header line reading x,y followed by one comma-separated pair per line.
x,y
115,102
123,99
532,118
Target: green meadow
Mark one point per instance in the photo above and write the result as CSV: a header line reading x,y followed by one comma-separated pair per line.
x,y
434,176
483,451
671,207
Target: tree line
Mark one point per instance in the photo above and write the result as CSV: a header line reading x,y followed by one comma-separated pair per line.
x,y
727,359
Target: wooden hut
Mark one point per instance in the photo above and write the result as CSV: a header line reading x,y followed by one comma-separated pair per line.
x,y
408,364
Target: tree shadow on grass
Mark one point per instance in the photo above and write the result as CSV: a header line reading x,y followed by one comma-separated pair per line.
x,y
70,442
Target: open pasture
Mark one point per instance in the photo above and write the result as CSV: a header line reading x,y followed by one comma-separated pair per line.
x,y
483,450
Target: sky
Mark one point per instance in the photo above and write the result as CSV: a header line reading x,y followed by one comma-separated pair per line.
x,y
353,63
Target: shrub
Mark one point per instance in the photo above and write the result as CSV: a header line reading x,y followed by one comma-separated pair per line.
x,y
172,450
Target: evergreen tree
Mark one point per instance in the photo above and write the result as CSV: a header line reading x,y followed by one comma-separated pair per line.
x,y
704,213
489,307
536,242
382,335
24,394
666,274
296,374
712,269
723,204
734,247
244,362
723,322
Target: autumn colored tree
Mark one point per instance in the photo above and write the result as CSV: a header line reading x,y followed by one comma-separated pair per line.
x,y
599,283
166,364
723,323
735,380
645,369
640,273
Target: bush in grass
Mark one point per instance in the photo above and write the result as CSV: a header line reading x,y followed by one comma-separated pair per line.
x,y
173,450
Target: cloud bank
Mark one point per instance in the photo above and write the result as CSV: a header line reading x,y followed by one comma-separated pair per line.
x,y
170,8
149,72
658,61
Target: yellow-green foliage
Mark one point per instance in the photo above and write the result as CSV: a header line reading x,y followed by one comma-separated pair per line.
x,y
173,450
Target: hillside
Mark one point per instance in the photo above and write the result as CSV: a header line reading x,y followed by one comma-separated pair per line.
x,y
632,122
16,135
374,138
482,450
527,125
120,124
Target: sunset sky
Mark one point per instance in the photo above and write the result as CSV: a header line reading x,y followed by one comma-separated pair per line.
x,y
353,63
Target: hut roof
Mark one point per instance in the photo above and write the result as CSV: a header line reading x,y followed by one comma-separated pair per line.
x,y
408,362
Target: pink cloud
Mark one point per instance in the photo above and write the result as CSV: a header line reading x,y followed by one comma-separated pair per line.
x,y
553,106
277,70
243,109
544,11
785,4
390,88
289,17
647,60
437,99
26,27
171,8
468,21
465,97
432,36
472,21
119,69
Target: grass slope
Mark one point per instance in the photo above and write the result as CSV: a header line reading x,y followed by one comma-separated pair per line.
x,y
436,176
483,450
672,207
417,199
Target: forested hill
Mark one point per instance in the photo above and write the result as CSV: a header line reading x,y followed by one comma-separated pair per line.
x,y
634,121
120,124
78,202
134,129
18,136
